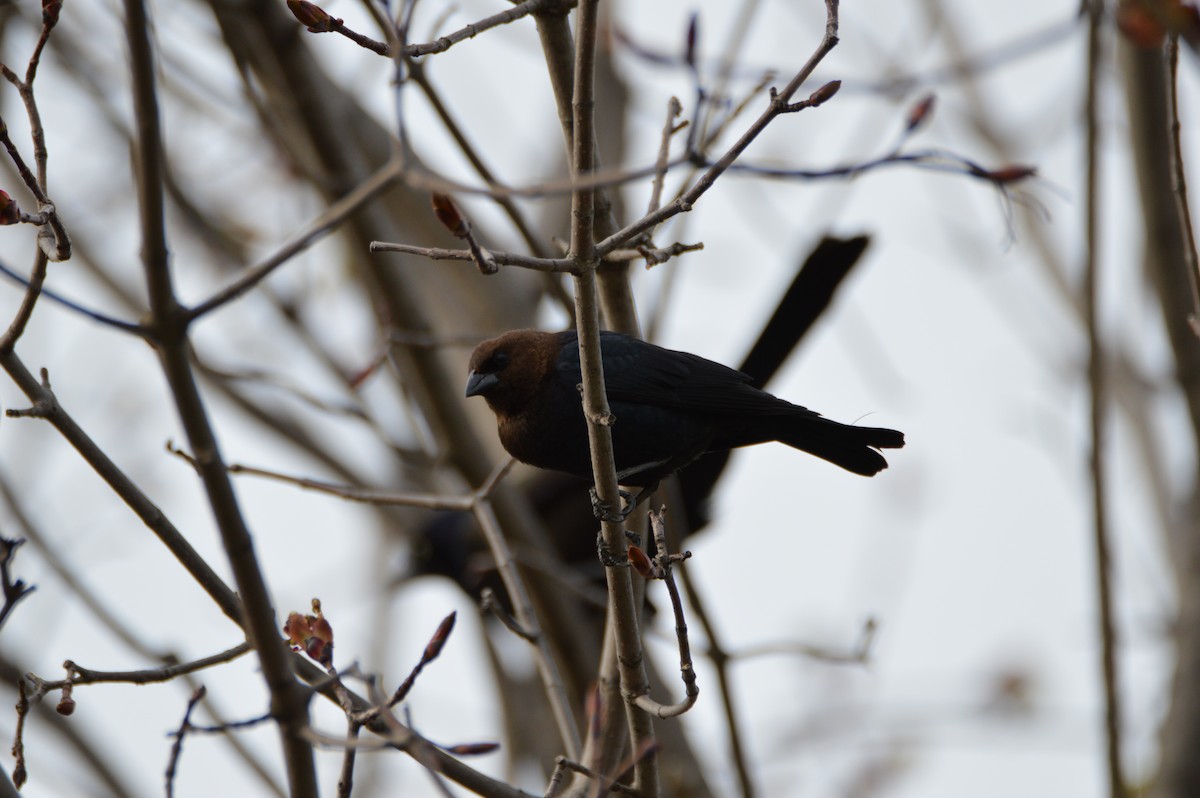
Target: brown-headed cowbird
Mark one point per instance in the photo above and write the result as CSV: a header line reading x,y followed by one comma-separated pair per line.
x,y
670,408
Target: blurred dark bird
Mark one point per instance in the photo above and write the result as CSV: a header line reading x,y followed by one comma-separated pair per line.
x,y
670,407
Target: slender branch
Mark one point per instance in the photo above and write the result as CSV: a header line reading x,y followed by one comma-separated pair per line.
x,y
318,228
345,784
33,290
623,611
427,501
14,590
780,104
556,691
46,406
20,773
1179,182
77,674
1098,400
94,315
548,265
289,701
444,43
479,503
674,109
662,569
177,746
600,781
716,654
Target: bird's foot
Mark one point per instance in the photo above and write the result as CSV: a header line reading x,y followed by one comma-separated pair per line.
x,y
605,512
607,558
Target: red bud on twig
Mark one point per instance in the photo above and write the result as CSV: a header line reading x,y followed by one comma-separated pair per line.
x,y
311,634
10,212
1146,25
919,113
1006,174
641,563
316,18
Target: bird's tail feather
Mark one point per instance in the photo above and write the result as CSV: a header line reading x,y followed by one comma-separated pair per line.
x,y
852,448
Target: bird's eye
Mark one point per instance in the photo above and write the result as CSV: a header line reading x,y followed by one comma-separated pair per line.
x,y
496,362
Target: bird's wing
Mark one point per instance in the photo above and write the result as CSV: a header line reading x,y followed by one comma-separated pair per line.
x,y
636,371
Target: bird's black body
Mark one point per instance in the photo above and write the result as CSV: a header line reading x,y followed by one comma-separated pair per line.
x,y
670,408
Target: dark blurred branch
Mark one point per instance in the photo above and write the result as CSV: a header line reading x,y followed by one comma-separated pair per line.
x,y
1179,182
1097,379
1165,258
560,702
327,222
169,319
13,589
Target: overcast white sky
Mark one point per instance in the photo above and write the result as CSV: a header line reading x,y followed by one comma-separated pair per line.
x,y
973,551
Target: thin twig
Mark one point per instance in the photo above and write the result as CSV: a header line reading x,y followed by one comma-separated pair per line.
x,y
14,590
345,784
552,682
720,660
860,654
20,772
177,746
664,153
603,784
78,675
549,265
46,406
94,315
427,501
1179,182
780,104
663,562
444,43
325,223
1098,401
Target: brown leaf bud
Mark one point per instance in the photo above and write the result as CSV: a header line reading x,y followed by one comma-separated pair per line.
x,y
473,749
316,18
447,212
824,94
693,38
10,212
1009,174
438,641
66,706
50,11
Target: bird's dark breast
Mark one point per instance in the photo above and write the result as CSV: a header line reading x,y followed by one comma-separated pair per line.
x,y
648,442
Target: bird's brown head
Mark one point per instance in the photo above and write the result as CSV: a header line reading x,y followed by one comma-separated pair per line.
x,y
508,371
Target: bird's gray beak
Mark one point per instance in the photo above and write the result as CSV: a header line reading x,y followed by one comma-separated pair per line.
x,y
479,384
